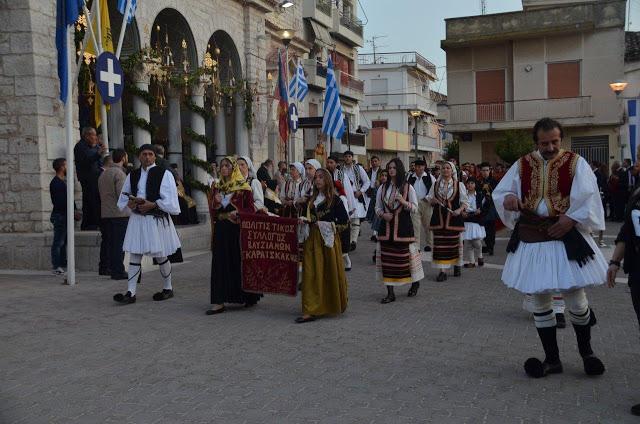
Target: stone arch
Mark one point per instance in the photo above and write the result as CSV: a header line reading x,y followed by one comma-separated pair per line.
x,y
230,63
172,27
131,42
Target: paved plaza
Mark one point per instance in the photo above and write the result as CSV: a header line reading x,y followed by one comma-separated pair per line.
x,y
453,354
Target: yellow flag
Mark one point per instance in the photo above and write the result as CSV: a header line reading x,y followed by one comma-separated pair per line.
x,y
107,46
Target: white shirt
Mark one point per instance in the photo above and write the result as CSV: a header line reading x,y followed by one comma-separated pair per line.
x,y
462,190
226,199
318,200
364,178
168,201
374,176
473,204
421,189
584,197
412,198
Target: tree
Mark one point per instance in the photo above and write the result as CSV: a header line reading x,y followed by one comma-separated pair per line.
x,y
452,150
514,145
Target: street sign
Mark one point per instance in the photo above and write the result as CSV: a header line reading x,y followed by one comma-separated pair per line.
x,y
109,77
293,118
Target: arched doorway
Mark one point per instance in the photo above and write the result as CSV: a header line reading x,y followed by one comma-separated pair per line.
x,y
230,74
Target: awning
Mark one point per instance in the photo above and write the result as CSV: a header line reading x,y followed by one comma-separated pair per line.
x,y
321,33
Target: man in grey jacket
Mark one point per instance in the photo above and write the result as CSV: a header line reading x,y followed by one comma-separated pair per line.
x,y
115,221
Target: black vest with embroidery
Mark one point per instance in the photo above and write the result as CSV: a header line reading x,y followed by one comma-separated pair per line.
x,y
426,180
400,228
154,181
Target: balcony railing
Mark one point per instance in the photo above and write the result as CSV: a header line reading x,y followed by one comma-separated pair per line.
x,y
355,139
321,70
520,110
349,81
396,57
324,6
426,142
354,24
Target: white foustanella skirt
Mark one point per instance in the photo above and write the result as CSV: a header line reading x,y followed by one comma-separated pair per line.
x,y
543,267
151,236
473,231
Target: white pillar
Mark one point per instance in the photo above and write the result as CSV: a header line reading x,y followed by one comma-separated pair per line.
x,y
220,134
116,131
242,138
174,127
198,149
140,78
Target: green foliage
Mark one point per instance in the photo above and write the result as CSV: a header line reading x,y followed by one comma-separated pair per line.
x,y
198,162
514,145
193,107
452,150
131,149
193,183
198,137
143,94
248,108
150,127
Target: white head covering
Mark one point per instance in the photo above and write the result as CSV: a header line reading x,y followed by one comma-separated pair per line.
x,y
455,172
252,170
314,163
299,167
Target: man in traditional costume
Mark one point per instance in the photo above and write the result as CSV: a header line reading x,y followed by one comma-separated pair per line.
x,y
151,195
291,189
360,183
337,175
421,181
550,199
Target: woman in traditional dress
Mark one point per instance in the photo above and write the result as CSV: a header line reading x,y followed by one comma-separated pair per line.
x,y
245,165
324,285
397,256
473,231
291,188
449,199
375,224
230,196
307,185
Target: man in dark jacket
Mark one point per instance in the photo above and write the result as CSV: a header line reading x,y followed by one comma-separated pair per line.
x,y
264,172
163,163
87,154
486,186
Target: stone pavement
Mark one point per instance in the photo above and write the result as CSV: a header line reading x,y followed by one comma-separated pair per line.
x,y
452,354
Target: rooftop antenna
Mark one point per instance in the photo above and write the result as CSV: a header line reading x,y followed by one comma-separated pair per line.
x,y
483,6
374,46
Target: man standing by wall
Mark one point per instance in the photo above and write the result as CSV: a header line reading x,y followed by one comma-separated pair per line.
x,y
58,190
87,154
114,220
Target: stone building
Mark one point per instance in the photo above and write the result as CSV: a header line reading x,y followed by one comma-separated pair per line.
x,y
247,33
555,58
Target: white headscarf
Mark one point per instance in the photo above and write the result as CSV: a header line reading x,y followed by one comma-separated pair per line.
x,y
314,163
300,168
455,172
252,170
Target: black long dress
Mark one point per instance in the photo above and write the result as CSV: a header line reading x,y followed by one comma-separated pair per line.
x,y
226,266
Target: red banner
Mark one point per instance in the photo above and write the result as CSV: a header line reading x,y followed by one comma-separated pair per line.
x,y
269,254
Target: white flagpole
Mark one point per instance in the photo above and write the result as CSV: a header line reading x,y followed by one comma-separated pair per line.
x,y
103,108
297,85
68,122
123,29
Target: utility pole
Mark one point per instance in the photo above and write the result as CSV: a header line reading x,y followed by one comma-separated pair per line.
x,y
483,6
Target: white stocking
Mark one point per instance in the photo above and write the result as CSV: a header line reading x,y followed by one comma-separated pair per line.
x,y
135,262
165,271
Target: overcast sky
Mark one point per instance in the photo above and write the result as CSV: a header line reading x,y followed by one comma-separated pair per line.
x,y
418,25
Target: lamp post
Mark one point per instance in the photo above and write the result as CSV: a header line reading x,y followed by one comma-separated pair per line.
x,y
618,87
286,35
415,113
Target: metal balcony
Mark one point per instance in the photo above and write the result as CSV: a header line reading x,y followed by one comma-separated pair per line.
x,y
413,59
348,28
350,86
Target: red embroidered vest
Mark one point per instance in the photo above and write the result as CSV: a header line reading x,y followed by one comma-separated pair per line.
x,y
554,187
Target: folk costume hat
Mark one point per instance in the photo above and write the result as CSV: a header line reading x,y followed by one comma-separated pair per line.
x,y
235,181
147,147
454,174
299,167
314,163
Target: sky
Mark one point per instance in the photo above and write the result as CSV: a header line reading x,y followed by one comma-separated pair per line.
x,y
418,25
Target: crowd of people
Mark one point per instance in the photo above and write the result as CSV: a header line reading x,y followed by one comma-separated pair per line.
x,y
552,199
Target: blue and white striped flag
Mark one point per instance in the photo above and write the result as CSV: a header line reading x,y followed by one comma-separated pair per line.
x,y
300,82
133,5
332,119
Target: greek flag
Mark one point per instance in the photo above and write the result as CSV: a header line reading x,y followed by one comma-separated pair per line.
x,y
332,119
300,82
122,4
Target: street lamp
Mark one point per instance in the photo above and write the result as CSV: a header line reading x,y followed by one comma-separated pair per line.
x,y
618,86
285,4
415,113
286,35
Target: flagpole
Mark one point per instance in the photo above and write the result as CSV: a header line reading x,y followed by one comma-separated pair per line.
x,y
123,29
286,78
296,92
68,122
103,108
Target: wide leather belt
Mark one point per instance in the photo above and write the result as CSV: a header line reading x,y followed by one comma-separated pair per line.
x,y
536,230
